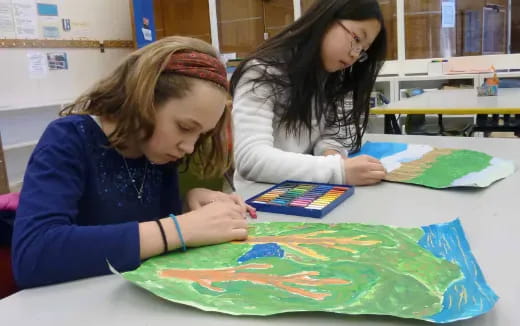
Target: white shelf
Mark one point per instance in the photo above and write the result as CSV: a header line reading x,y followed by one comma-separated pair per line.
x,y
437,77
33,105
509,74
386,79
394,82
453,76
20,145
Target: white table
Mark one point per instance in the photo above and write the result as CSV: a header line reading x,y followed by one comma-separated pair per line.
x,y
490,218
451,102
456,101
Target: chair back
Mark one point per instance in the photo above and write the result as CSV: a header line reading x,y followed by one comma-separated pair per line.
x,y
4,183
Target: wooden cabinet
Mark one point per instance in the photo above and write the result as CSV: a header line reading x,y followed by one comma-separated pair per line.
x,y
240,25
515,26
277,15
182,17
245,24
389,9
424,36
477,30
306,4
481,30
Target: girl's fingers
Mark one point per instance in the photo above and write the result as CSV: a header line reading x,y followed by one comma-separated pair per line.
x,y
372,159
239,224
377,175
239,234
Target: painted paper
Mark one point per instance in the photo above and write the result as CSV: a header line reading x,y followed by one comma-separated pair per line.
x,y
422,273
437,167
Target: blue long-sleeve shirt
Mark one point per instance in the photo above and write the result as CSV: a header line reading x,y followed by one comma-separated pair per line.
x,y
79,207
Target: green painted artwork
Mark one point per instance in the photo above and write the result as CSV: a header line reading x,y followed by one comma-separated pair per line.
x,y
342,268
437,167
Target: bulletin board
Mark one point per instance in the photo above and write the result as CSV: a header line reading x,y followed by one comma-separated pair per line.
x,y
143,22
51,51
62,24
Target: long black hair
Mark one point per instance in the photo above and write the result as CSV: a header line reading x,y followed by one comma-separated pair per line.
x,y
296,54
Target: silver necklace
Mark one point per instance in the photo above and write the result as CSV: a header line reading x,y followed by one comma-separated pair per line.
x,y
139,190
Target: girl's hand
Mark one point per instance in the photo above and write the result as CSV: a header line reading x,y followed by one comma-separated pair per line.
x,y
215,218
198,197
363,170
333,152
213,223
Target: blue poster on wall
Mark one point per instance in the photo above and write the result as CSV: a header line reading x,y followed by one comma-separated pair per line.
x,y
144,22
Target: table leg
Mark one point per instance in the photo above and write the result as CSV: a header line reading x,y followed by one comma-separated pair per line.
x,y
441,124
391,125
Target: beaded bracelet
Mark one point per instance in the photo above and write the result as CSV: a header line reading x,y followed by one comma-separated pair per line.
x,y
177,226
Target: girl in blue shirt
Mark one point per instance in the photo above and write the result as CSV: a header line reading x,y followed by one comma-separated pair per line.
x,y
102,182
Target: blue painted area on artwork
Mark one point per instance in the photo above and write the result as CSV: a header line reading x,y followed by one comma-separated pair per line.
x,y
470,296
262,250
380,149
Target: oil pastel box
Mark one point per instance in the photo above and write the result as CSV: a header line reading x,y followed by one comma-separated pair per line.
x,y
301,198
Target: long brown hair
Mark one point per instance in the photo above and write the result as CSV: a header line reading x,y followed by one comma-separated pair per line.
x,y
301,88
131,94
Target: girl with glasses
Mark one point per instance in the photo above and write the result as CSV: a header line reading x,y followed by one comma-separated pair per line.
x,y
291,113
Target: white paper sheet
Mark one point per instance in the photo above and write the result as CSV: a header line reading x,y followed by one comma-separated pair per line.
x,y
50,27
448,14
25,19
37,65
6,19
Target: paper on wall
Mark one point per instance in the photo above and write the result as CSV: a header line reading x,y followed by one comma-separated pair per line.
x,y
147,34
79,29
6,19
50,27
25,19
448,14
37,65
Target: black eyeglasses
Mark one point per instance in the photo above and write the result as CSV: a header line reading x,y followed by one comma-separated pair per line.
x,y
356,48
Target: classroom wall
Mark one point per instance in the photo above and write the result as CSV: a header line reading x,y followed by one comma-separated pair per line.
x,y
19,90
28,104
